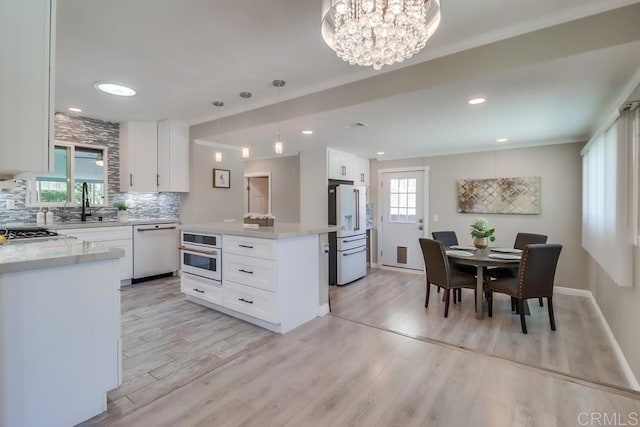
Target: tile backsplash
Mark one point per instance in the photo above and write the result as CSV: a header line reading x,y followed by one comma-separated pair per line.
x,y
92,132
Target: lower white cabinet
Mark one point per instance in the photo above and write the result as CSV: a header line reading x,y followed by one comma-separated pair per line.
x,y
116,237
273,283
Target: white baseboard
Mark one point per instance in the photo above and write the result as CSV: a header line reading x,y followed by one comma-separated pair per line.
x,y
572,291
323,309
373,265
626,369
401,270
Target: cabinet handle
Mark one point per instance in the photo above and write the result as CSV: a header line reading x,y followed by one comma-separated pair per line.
x,y
182,248
156,228
198,290
245,300
246,246
242,270
131,180
157,180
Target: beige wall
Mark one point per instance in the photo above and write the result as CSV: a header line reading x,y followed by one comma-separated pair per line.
x,y
620,307
559,166
207,204
285,185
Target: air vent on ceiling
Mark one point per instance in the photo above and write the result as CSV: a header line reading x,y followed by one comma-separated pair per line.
x,y
358,125
630,105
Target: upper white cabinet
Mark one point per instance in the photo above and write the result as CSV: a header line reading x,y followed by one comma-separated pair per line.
x,y
340,165
154,156
139,156
360,171
173,156
27,40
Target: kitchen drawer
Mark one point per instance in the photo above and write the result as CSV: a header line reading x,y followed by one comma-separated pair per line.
x,y
250,246
201,288
251,301
98,234
351,242
255,272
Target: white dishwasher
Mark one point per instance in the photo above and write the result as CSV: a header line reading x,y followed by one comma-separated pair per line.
x,y
155,250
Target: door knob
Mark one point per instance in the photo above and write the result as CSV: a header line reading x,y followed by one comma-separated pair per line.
x,y
420,227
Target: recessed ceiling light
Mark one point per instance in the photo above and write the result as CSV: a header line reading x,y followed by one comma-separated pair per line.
x,y
476,101
380,153
501,140
307,132
75,109
114,89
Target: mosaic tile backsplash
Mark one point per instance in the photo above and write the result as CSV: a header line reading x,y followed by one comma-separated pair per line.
x,y
92,132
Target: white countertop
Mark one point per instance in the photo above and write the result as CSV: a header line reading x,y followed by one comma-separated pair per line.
x,y
19,256
108,223
278,231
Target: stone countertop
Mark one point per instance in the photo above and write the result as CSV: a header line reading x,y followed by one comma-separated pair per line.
x,y
278,231
108,223
20,256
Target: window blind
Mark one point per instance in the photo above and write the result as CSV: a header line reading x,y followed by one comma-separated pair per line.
x,y
606,229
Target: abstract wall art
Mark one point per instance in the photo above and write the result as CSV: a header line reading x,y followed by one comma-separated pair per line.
x,y
500,195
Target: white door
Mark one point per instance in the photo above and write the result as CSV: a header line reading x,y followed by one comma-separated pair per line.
x,y
258,194
402,219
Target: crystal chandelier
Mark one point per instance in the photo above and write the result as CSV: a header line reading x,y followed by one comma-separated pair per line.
x,y
378,32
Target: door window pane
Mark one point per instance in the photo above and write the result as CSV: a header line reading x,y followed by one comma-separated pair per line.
x,y
402,200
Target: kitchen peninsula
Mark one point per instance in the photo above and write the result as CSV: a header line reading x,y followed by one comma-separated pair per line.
x,y
59,331
274,277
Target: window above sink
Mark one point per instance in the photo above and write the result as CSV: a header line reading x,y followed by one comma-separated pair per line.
x,y
74,164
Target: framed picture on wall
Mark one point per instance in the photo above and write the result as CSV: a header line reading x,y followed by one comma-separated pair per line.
x,y
221,178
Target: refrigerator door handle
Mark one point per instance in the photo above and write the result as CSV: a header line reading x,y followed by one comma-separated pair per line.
x,y
357,197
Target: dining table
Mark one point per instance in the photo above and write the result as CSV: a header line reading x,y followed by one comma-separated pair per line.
x,y
481,259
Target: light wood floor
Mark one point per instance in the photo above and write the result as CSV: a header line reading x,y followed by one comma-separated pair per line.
x,y
330,371
395,300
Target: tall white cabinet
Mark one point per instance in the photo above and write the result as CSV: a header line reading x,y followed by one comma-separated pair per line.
x,y
27,40
154,156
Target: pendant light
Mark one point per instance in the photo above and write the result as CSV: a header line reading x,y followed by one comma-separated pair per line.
x,y
218,104
245,148
277,146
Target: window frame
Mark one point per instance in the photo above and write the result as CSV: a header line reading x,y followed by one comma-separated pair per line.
x,y
406,207
32,196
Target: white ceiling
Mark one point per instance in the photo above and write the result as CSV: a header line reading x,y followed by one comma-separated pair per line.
x,y
180,56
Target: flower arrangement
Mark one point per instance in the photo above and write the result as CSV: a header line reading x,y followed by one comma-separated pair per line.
x,y
480,231
121,206
253,215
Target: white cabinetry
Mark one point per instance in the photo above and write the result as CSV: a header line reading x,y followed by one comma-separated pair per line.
x,y
173,156
340,165
360,171
154,156
27,39
272,283
138,156
114,237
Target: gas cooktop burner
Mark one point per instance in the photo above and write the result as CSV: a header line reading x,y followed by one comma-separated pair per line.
x,y
27,233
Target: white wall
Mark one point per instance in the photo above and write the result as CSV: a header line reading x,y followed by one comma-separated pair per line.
x,y
559,166
314,196
285,185
204,203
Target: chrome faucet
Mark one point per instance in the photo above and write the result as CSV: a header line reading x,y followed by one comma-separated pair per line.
x,y
85,202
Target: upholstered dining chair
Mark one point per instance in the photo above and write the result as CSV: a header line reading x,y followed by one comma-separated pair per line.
x,y
534,280
522,239
449,238
439,273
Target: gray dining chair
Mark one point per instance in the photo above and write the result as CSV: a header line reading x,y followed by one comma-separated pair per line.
x,y
535,278
439,273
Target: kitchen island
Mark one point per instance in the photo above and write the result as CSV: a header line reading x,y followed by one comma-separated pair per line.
x,y
275,277
59,331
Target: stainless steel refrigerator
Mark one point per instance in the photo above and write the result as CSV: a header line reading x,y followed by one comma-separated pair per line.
x,y
348,245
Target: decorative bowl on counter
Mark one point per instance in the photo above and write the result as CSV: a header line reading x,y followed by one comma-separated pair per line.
x,y
263,220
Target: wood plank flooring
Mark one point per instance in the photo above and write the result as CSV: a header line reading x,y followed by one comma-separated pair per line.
x,y
186,365
395,300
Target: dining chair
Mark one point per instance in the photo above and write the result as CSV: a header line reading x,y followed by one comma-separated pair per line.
x,y
534,280
522,239
439,273
449,238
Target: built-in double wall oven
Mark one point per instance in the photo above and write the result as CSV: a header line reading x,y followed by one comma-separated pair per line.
x,y
201,255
